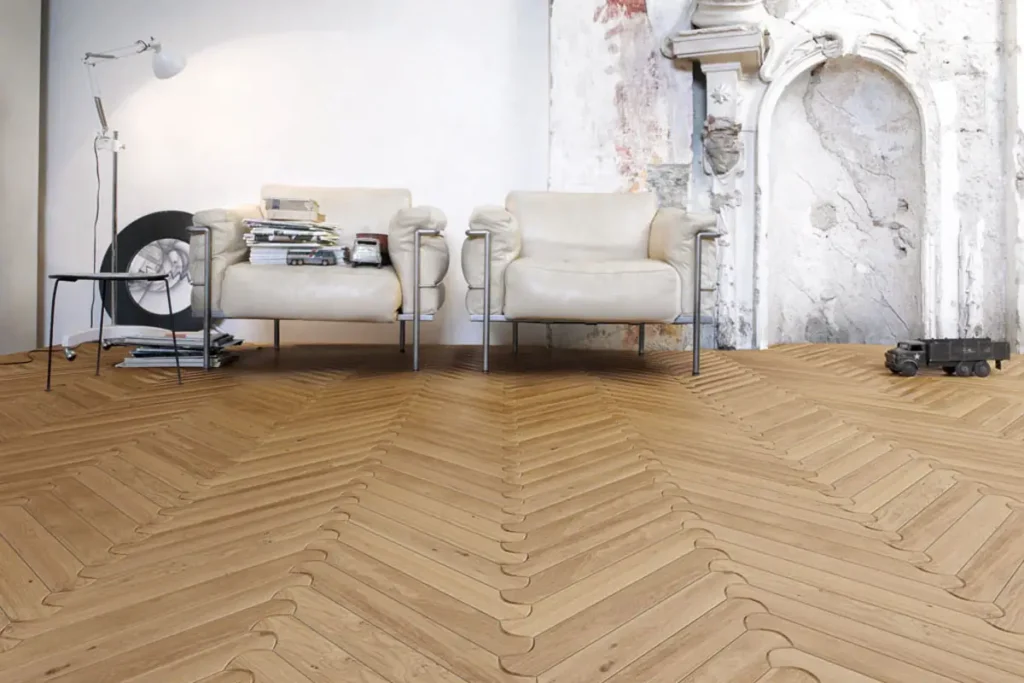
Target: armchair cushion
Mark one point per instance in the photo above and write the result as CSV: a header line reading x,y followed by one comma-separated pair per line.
x,y
433,259
364,294
614,291
505,247
227,248
672,241
584,226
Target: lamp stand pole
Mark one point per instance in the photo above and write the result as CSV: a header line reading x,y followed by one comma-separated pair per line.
x,y
163,67
114,148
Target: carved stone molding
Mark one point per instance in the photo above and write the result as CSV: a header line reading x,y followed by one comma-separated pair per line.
x,y
730,57
743,44
790,45
714,13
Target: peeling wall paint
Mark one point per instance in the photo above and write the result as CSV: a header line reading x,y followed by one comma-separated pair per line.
x,y
621,120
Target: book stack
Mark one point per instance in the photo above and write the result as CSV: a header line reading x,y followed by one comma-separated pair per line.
x,y
272,242
158,351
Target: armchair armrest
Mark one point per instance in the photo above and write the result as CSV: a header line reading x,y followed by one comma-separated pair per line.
x,y
430,222
506,244
673,240
227,231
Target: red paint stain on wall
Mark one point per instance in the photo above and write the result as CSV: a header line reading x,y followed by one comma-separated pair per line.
x,y
617,9
629,7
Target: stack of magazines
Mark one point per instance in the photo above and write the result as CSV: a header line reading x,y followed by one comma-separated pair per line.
x,y
280,242
158,351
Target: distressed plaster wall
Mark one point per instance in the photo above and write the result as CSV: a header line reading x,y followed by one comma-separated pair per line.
x,y
960,57
621,121
612,119
846,174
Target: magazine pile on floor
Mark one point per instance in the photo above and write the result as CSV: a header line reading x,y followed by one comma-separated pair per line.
x,y
281,242
158,352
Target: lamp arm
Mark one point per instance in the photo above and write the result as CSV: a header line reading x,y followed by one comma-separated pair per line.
x,y
136,48
92,59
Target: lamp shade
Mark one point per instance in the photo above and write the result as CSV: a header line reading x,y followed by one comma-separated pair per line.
x,y
166,64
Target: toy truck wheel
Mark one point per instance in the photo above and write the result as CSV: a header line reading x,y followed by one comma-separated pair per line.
x,y
982,369
908,369
964,369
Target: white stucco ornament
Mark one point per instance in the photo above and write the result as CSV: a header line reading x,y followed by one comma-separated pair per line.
x,y
790,43
712,13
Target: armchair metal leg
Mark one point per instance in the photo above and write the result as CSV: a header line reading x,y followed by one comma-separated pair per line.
x,y
207,291
640,339
486,234
401,336
277,335
515,338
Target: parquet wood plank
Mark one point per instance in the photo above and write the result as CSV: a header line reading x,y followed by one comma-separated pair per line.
x,y
386,655
103,637
317,658
447,648
798,515
432,603
608,655
264,666
37,548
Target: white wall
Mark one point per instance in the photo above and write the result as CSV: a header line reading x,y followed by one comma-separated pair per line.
x,y
448,98
20,58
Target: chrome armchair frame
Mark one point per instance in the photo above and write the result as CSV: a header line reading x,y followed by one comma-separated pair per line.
x,y
402,318
696,319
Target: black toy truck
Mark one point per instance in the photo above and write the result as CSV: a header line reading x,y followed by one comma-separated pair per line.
x,y
960,357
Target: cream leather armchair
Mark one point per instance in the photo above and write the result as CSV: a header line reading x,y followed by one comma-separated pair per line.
x,y
561,257
226,285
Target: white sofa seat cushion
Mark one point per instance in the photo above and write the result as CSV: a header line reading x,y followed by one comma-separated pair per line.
x,y
364,294
616,291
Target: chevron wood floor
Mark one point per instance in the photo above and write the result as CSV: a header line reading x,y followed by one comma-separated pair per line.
x,y
791,516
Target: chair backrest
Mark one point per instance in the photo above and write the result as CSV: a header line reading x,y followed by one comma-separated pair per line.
x,y
582,226
352,209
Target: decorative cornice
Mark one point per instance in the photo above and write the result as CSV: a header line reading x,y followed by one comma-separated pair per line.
x,y
745,44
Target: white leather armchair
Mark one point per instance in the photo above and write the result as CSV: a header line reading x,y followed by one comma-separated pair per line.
x,y
226,285
560,257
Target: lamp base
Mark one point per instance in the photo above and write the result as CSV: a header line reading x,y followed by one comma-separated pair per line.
x,y
111,335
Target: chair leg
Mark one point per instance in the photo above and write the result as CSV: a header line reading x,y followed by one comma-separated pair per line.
x,y
401,336
277,335
99,345
515,338
49,354
174,332
640,339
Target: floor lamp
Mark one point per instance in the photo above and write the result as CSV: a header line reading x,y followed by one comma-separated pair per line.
x,y
165,65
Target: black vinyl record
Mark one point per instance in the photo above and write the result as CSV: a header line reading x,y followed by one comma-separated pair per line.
x,y
156,242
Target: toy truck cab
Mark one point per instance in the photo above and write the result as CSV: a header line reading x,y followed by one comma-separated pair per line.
x,y
906,357
960,357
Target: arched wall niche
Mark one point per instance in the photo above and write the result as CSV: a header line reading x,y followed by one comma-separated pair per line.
x,y
847,197
794,53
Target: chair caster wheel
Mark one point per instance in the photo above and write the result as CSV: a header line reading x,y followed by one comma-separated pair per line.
x,y
70,354
107,346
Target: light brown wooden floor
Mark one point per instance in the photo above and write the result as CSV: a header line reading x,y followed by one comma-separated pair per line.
x,y
791,516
